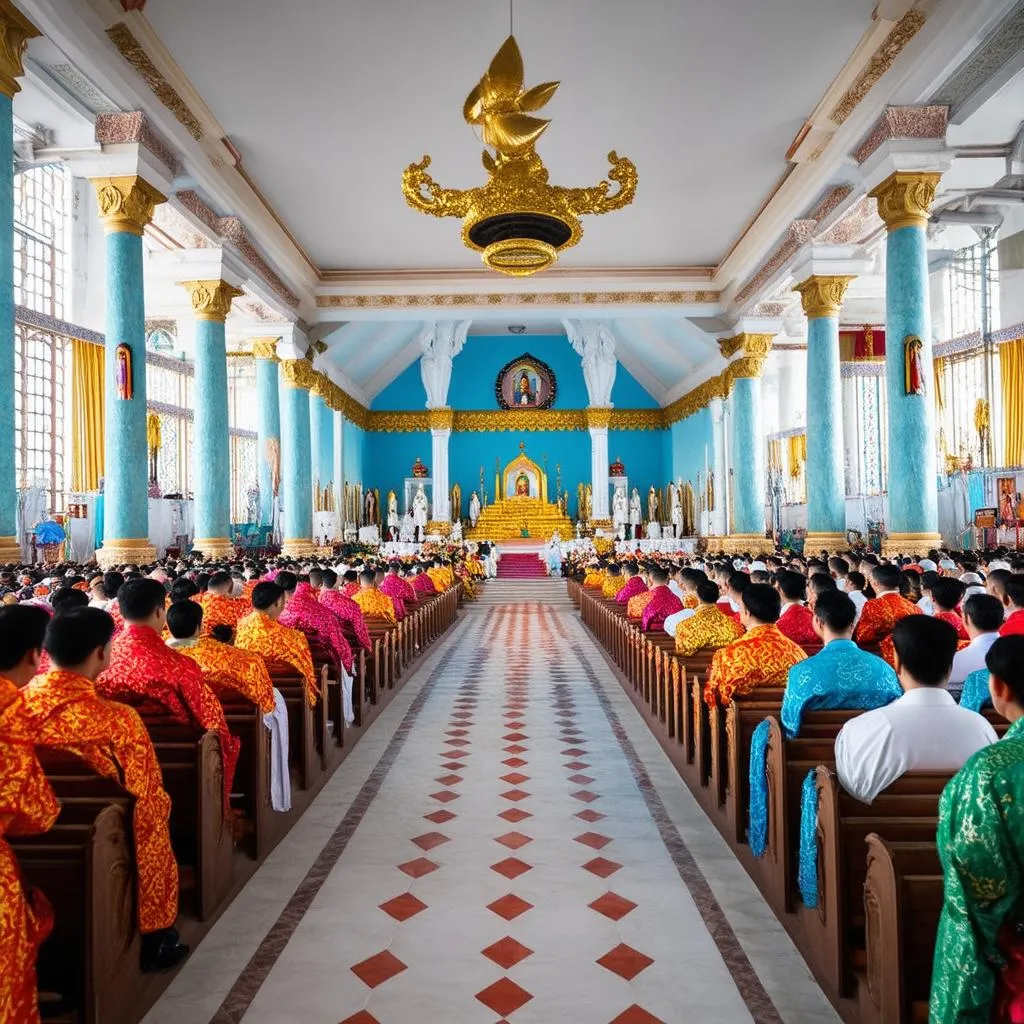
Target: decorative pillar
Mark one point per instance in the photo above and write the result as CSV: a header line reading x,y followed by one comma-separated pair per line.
x,y
851,437
298,377
822,298
268,427
126,206
904,203
211,442
17,30
440,421
321,433
598,421
718,520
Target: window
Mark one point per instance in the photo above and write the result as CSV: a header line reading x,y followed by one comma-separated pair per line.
x,y
973,286
40,238
242,422
169,395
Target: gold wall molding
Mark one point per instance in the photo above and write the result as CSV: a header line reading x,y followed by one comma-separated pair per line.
x,y
299,373
598,417
15,32
881,60
905,198
541,299
126,203
512,420
265,348
211,300
748,343
440,419
133,52
822,295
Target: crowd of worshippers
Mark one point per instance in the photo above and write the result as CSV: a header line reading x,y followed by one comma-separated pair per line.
x,y
75,648
922,645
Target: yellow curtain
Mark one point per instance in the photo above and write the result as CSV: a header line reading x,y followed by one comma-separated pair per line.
x,y
1011,371
775,454
939,370
797,453
86,415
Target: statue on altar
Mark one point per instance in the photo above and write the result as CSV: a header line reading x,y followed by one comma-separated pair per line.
x,y
523,478
617,468
419,470
634,513
652,505
407,531
620,512
456,534
420,512
677,509
522,486
474,508
392,510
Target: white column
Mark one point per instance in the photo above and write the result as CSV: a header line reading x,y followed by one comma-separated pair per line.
x,y
441,510
851,435
599,470
788,400
719,525
339,466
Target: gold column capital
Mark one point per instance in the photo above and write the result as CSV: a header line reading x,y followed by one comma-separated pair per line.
x,y
746,366
440,419
265,348
822,294
126,203
905,198
211,300
299,373
598,416
15,32
750,344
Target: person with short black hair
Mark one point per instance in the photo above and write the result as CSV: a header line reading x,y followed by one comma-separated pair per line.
x,y
983,615
634,585
22,627
63,710
1014,602
980,837
220,606
374,604
795,619
707,628
925,729
67,599
879,616
661,602
346,611
761,657
946,597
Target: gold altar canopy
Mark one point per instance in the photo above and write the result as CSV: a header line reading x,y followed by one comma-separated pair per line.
x,y
523,478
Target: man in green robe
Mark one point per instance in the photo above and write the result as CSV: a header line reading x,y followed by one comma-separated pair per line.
x,y
981,846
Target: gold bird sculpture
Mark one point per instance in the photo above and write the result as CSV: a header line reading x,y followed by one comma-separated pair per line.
x,y
501,106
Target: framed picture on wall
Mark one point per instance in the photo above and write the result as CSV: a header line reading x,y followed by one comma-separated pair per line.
x,y
525,383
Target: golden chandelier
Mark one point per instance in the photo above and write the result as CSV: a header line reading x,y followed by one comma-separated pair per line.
x,y
518,221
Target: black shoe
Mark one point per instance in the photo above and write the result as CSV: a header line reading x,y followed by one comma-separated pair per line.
x,y
161,951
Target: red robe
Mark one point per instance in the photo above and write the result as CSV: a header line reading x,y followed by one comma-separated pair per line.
x,y
633,586
1014,624
423,584
400,591
306,614
142,664
797,622
348,611
878,619
956,622
662,604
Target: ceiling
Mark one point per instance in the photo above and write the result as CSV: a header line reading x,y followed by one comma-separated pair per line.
x,y
327,103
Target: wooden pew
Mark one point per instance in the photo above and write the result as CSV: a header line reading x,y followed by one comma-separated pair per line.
x,y
305,742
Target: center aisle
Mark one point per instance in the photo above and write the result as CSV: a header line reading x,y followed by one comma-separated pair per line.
x,y
519,850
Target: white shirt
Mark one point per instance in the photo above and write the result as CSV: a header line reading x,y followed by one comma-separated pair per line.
x,y
924,730
972,657
859,599
676,589
673,620
926,606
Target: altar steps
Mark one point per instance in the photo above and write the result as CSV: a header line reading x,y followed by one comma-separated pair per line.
x,y
547,592
510,518
521,567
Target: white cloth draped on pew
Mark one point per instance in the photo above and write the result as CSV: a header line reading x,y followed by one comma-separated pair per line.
x,y
346,697
276,722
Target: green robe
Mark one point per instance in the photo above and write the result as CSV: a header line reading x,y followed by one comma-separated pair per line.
x,y
981,846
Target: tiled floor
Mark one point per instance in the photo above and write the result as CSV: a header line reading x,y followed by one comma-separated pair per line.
x,y
507,843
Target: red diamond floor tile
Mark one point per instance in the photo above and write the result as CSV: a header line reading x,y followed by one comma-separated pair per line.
x,y
440,817
504,996
517,814
612,905
507,952
377,969
448,780
515,794
590,815
576,765
625,961
462,714
457,732
581,780
452,765
574,752
459,743
515,737
514,778
632,1015
515,762
514,840
586,796
601,867
594,840
515,748
444,796
362,1017
511,867
453,754
401,908
429,840
418,868
509,906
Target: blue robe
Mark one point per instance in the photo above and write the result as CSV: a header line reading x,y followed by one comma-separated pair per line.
x,y
841,675
975,693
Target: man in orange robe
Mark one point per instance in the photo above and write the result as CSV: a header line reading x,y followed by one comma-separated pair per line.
x,y
442,576
373,603
763,656
142,664
63,710
880,614
27,807
278,645
219,607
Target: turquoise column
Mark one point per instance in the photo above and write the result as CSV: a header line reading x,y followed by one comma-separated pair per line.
x,y
296,458
904,202
822,297
748,470
268,425
126,206
321,423
211,443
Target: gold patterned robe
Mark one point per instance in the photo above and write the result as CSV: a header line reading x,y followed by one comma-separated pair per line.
x,y
374,604
221,610
635,607
226,667
612,585
763,656
279,646
706,629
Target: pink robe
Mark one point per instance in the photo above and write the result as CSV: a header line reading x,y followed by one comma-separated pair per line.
x,y
348,611
634,585
304,613
662,604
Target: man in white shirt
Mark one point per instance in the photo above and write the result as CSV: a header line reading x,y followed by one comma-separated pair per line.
x,y
855,584
983,616
924,730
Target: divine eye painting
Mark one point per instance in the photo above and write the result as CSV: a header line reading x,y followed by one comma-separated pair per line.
x,y
525,383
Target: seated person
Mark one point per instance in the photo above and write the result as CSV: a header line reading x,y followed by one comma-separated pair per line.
x,y
980,835
372,603
302,611
946,597
983,615
731,600
840,675
795,619
708,628
399,590
593,579
638,602
661,604
634,583
761,657
614,582
27,807
278,645
343,608
817,585
855,584
220,607
879,616
1014,602
62,710
925,729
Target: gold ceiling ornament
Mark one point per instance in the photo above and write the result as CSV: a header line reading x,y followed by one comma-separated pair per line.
x,y
265,348
905,198
748,343
126,203
299,373
822,294
517,221
15,32
211,300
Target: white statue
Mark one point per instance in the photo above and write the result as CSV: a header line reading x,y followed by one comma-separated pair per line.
x,y
440,341
620,510
407,533
392,509
634,510
652,505
594,341
672,499
420,511
457,531
474,509
677,509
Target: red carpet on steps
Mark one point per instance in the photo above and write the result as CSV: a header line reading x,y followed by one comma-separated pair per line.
x,y
520,567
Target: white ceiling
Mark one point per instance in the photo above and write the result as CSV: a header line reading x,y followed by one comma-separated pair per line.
x,y
328,103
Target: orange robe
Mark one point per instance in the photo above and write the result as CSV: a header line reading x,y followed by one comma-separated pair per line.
x,y
64,711
27,807
442,578
279,646
143,665
878,619
221,610
637,604
374,604
612,585
229,668
593,579
706,628
763,656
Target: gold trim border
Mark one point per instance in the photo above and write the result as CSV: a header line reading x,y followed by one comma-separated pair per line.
x,y
511,420
541,299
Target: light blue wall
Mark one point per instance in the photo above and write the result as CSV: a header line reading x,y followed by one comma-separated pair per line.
x,y
690,438
8,482
353,451
389,457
